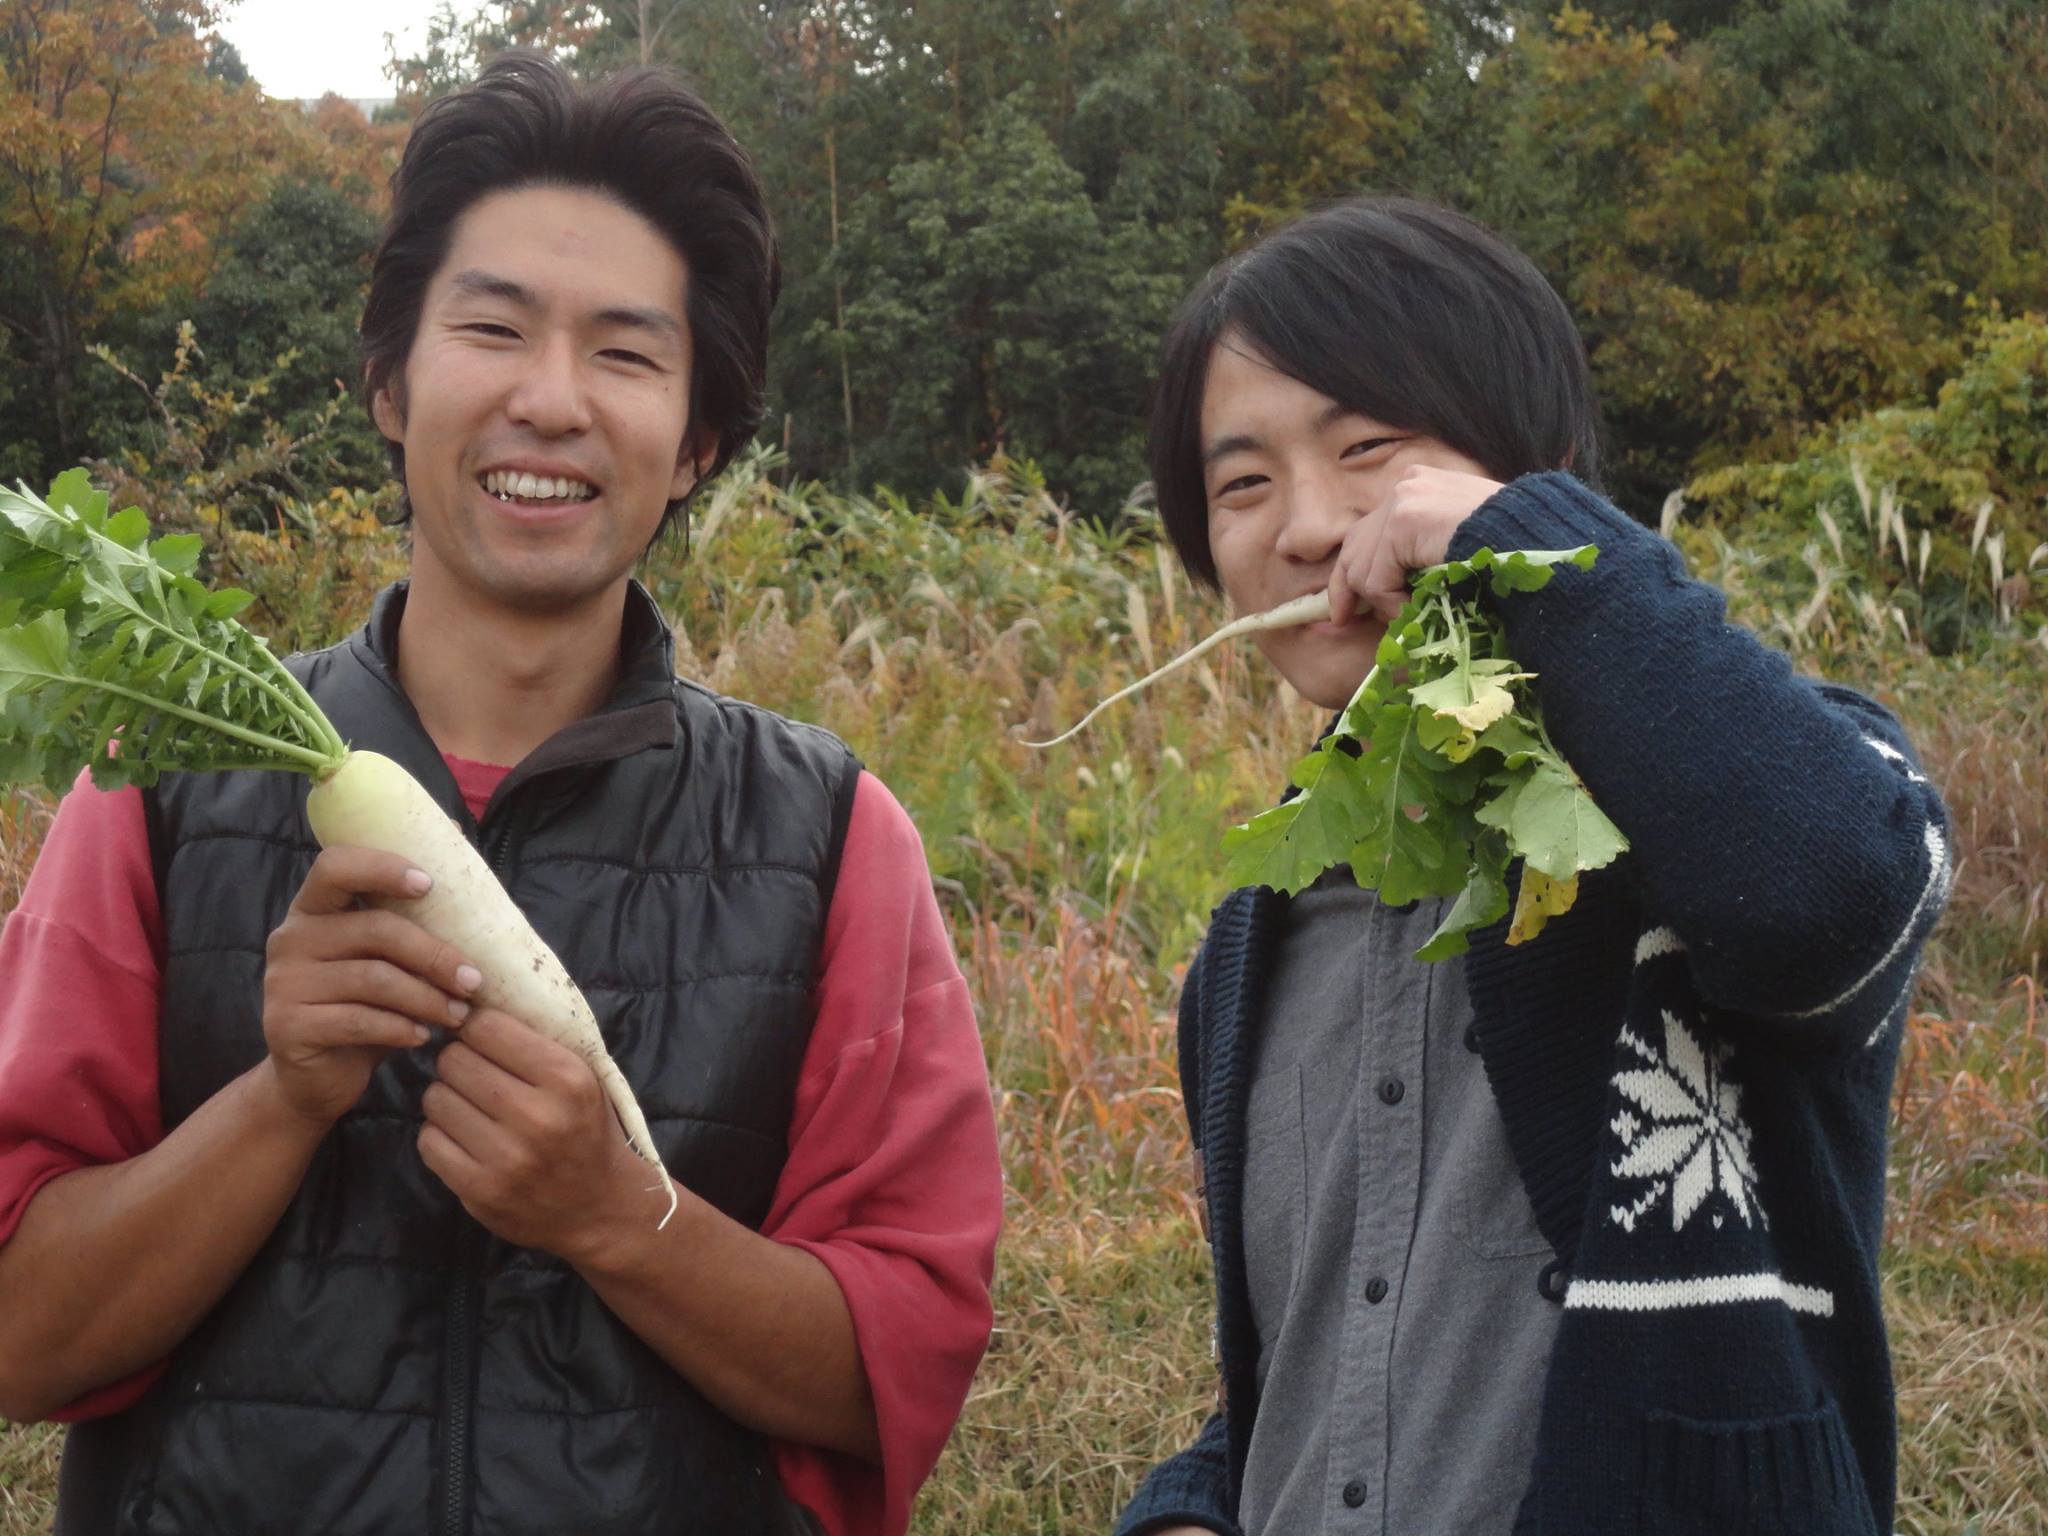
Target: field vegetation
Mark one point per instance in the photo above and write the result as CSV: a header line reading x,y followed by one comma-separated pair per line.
x,y
935,636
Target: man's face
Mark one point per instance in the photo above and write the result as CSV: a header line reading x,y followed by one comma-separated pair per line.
x,y
552,357
1287,473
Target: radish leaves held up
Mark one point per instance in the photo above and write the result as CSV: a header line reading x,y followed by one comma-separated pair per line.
x,y
1439,773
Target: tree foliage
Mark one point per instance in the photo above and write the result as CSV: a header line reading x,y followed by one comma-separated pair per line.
x,y
968,281
1937,512
1334,86
1770,220
122,163
280,309
1767,218
1762,230
134,152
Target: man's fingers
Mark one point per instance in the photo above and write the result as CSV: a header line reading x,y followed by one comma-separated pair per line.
x,y
373,934
464,1123
377,984
1386,580
446,1159
341,876
519,1049
1341,595
341,1026
484,1082
1355,557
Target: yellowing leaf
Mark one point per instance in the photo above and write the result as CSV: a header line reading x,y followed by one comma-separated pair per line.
x,y
1538,901
1475,697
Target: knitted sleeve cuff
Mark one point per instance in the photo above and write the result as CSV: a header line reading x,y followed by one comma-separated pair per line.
x,y
1203,1519
1189,1489
1554,510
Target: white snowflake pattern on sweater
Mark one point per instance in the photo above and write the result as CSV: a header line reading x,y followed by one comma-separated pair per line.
x,y
1682,1130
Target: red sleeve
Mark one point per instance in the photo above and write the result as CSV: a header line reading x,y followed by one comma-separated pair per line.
x,y
78,1015
892,1179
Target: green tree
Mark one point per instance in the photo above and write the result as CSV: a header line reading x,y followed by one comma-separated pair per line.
x,y
282,306
1686,18
838,100
989,313
1767,217
1751,245
123,162
1332,85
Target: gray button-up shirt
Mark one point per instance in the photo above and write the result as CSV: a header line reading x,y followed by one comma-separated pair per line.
x,y
1392,1255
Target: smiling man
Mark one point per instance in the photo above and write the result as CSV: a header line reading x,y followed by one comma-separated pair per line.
x,y
1577,1238
287,1268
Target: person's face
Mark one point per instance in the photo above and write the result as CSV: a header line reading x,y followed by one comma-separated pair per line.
x,y
552,356
1287,472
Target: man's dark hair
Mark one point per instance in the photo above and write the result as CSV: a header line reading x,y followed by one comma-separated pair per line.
x,y
1402,311
640,137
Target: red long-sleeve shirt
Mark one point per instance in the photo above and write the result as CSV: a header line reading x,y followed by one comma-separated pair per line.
x,y
891,1180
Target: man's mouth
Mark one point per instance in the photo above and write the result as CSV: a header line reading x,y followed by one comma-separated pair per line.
x,y
517,486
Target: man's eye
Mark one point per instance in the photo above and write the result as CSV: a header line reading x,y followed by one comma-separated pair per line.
x,y
1241,483
1370,445
491,328
621,355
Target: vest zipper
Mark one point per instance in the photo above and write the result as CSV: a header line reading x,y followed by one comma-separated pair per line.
x,y
459,1384
460,1387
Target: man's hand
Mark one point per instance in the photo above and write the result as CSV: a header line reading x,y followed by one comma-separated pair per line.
x,y
116,1263
344,985
1411,529
519,1129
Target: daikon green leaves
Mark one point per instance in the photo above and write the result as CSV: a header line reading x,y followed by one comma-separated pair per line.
x,y
113,655
1439,773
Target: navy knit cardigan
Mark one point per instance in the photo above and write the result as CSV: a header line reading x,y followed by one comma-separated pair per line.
x,y
1693,1067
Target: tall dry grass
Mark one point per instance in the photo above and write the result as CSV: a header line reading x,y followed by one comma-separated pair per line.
x,y
1969,1174
1984,737
24,821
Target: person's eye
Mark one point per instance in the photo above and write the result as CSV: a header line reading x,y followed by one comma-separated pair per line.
x,y
492,329
621,355
1370,445
1241,484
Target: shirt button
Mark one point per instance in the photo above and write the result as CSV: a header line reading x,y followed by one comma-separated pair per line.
x,y
1391,1091
1354,1492
1375,1290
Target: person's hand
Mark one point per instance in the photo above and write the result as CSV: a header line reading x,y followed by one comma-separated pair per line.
x,y
1409,530
520,1130
344,985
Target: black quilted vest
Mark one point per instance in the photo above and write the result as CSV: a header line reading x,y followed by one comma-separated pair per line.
x,y
386,1365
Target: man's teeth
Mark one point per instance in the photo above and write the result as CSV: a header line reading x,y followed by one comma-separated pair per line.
x,y
500,482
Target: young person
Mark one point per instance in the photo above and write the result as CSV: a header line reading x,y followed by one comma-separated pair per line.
x,y
1581,1236
288,1269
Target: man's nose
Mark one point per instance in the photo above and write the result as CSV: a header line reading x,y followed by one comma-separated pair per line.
x,y
551,396
1320,510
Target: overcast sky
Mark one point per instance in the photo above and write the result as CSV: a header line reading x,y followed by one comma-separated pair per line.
x,y
299,48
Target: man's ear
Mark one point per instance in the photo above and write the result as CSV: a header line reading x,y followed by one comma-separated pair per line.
x,y
693,463
387,411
